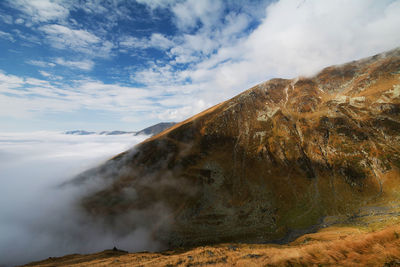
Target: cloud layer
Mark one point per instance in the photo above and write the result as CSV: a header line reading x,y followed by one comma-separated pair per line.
x,y
39,219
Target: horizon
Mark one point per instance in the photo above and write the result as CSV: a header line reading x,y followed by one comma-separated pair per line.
x,y
98,65
85,130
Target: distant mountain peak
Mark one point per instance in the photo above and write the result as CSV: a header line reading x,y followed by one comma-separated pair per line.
x,y
156,128
79,132
152,130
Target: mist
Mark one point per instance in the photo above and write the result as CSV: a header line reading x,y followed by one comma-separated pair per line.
x,y
41,219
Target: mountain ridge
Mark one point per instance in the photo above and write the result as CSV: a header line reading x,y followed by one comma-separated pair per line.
x,y
277,159
151,130
283,159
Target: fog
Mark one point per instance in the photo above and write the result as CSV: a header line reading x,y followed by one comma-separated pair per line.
x,y
39,218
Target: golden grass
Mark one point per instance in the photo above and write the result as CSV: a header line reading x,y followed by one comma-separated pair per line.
x,y
333,246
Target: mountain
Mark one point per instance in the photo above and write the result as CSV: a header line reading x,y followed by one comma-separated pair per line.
x,y
152,130
79,132
282,159
83,132
155,129
115,132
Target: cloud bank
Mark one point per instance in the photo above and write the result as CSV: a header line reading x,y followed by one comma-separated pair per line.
x,y
38,218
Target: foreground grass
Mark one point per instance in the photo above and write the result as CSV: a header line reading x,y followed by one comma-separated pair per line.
x,y
332,246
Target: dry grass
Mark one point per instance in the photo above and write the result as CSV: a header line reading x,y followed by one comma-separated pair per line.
x,y
334,246
351,249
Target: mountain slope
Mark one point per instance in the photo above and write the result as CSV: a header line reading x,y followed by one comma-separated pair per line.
x,y
156,128
283,158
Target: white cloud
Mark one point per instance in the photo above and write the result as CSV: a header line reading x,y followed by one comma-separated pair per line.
x,y
19,21
157,76
41,10
295,38
10,80
32,166
160,41
7,36
63,37
177,114
318,34
189,12
40,63
8,19
29,38
156,40
83,64
111,11
214,29
133,42
23,97
153,4
50,75
44,73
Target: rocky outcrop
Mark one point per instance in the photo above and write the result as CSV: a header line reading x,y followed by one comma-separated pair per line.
x,y
274,161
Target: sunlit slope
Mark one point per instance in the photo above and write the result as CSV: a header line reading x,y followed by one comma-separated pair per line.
x,y
279,160
378,244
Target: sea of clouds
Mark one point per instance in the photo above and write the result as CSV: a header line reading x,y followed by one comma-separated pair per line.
x,y
38,218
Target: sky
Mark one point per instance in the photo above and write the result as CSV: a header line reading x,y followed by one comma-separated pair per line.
x,y
125,65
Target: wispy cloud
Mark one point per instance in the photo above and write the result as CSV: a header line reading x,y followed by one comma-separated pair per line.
x,y
41,10
156,40
7,36
153,4
189,13
40,63
26,97
204,27
83,64
19,21
63,37
50,75
8,19
44,73
26,39
223,59
158,76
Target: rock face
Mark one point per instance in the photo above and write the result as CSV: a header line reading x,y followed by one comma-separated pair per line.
x,y
280,159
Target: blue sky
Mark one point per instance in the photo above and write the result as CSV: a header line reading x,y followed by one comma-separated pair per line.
x,y
108,65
